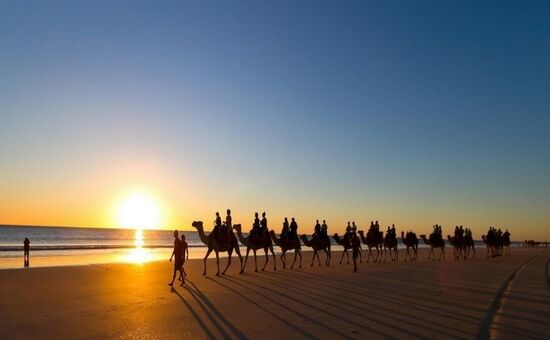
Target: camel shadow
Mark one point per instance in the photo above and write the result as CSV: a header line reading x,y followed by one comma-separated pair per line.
x,y
201,323
211,312
274,299
286,322
200,297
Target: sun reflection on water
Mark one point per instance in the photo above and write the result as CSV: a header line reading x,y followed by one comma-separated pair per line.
x,y
139,254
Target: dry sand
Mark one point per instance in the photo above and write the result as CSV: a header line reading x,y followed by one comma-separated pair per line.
x,y
506,297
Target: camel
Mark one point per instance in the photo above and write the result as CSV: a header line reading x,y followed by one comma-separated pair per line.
x,y
371,241
346,243
458,246
390,244
469,246
213,245
254,243
410,241
434,242
317,245
296,246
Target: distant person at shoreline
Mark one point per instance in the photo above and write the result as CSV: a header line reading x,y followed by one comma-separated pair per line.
x,y
26,251
177,253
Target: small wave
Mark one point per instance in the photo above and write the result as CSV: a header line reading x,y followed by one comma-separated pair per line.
x,y
90,247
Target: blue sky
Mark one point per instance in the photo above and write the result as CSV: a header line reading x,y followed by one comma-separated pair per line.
x,y
415,113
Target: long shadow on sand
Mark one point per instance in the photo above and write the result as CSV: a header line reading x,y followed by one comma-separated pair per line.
x,y
200,297
241,283
325,296
286,322
350,306
201,323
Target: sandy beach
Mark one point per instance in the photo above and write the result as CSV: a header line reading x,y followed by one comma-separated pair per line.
x,y
497,298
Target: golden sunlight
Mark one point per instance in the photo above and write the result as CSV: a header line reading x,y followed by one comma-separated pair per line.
x,y
138,254
138,210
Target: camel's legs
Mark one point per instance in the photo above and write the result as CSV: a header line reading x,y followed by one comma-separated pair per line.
x,y
206,257
229,252
238,251
313,258
245,259
274,258
300,253
294,261
218,263
266,259
342,257
255,260
283,259
360,255
329,255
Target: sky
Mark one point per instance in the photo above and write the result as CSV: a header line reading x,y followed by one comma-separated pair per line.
x,y
412,113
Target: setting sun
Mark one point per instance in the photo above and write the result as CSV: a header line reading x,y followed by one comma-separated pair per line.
x,y
138,210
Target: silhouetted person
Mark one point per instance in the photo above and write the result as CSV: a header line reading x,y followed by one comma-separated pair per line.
x,y
294,231
218,226
324,227
317,230
178,255
255,225
285,232
184,256
229,225
263,227
26,250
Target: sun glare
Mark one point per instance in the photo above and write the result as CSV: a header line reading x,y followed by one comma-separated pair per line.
x,y
138,211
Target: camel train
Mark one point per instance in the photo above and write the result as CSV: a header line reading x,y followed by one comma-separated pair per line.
x,y
379,245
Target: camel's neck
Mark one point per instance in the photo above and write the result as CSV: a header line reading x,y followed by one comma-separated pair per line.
x,y
307,242
241,238
425,240
276,240
203,237
338,239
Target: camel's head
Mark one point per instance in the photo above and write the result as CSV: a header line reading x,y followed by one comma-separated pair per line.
x,y
196,224
422,236
237,227
303,237
335,235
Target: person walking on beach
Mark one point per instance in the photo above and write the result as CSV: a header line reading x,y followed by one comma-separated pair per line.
x,y
178,255
184,256
26,249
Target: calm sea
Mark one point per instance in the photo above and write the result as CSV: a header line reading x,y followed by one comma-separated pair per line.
x,y
73,245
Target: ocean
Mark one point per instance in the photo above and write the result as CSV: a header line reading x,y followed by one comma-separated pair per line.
x,y
56,246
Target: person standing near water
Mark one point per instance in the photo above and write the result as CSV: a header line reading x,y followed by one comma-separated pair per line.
x,y
26,250
178,254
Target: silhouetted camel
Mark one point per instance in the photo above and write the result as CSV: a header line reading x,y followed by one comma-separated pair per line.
x,y
469,246
316,245
346,243
458,246
254,243
411,242
286,246
213,245
434,242
371,241
390,244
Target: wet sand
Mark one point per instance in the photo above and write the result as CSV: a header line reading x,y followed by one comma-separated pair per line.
x,y
499,298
